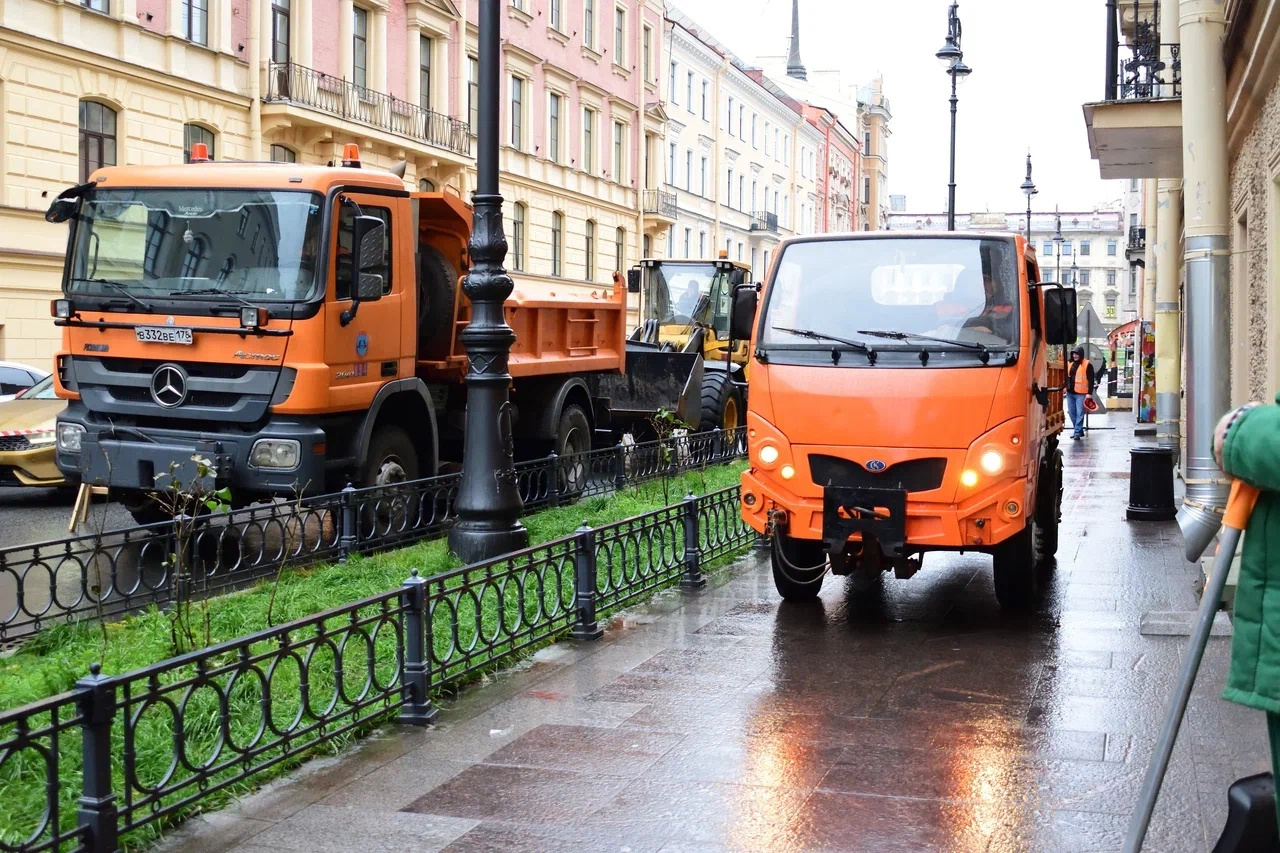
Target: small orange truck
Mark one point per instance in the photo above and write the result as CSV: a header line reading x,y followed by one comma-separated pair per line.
x,y
299,327
902,401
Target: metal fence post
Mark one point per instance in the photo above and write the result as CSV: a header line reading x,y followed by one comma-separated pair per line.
x,y
553,489
585,626
417,710
97,814
693,578
348,527
620,466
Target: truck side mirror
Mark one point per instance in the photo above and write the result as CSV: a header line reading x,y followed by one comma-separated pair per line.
x,y
737,277
742,314
1059,316
633,280
367,251
61,210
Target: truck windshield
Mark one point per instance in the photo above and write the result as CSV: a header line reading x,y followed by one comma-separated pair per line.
x,y
680,292
185,243
895,293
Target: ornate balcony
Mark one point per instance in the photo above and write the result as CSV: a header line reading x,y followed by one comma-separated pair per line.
x,y
659,204
762,220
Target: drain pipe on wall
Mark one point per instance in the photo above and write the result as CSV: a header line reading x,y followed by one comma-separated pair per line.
x,y
1202,26
1153,261
1167,310
255,81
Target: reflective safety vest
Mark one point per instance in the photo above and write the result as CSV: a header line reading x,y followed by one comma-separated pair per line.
x,y
1082,379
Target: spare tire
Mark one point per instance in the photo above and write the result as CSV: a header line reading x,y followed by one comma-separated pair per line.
x,y
437,288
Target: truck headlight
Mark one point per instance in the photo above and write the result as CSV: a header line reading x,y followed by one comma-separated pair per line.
x,y
768,454
42,438
992,462
281,454
69,436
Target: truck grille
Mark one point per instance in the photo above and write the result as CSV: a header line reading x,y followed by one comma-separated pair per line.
x,y
913,475
9,443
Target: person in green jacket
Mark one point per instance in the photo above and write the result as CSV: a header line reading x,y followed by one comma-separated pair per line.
x,y
1247,447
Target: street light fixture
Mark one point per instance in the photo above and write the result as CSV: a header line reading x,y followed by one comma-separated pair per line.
x,y
952,58
1057,243
489,504
1029,189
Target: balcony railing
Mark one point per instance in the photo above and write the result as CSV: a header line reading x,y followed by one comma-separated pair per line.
x,y
292,83
1137,238
764,221
660,203
1139,66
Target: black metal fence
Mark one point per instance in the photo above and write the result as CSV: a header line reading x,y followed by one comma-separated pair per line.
x,y
123,571
131,753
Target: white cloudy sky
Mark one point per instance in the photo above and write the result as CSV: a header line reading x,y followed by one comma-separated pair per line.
x,y
1035,62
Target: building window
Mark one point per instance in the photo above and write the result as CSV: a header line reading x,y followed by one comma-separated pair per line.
x,y
647,48
688,171
620,249
688,91
702,184
97,138
619,36
1066,247
192,134
688,242
702,244
728,193
619,152
281,154
195,21
1046,248
866,142
706,100
591,250
755,122
1084,247
589,23
768,143
1084,278
97,6
588,140
1111,278
742,190
729,117
360,51
671,164
1133,185
1111,248
196,253
426,185
672,97
280,28
553,118
557,243
1111,307
557,22
646,246
425,47
517,237
742,122
866,191
473,93
517,113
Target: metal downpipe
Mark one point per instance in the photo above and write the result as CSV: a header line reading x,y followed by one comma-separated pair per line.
x,y
1168,316
1202,26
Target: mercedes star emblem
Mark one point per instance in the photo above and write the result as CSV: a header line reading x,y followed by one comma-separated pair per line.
x,y
169,386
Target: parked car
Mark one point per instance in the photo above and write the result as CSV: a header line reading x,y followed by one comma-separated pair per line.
x,y
16,378
27,437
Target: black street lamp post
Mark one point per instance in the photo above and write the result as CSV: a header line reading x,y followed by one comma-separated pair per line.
x,y
1029,189
489,505
952,58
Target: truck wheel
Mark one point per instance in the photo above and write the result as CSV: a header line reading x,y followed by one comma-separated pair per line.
x,y
799,566
1016,570
573,443
437,284
144,508
721,402
1049,510
391,461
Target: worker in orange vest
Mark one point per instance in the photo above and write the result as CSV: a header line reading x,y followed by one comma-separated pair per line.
x,y
1080,384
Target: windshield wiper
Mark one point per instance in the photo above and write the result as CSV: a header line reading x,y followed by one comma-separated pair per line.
x,y
984,353
858,346
119,288
209,291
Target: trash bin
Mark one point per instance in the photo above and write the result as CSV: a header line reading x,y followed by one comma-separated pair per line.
x,y
1151,484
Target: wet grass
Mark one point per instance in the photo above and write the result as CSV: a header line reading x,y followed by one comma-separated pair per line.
x,y
299,697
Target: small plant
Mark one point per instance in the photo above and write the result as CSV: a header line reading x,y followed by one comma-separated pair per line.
x,y
669,426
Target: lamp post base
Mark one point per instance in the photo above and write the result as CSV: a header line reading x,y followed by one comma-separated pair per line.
x,y
475,541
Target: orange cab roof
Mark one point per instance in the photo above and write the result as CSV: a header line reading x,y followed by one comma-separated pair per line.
x,y
269,176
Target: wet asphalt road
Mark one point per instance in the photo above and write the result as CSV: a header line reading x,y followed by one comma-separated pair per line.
x,y
917,718
38,515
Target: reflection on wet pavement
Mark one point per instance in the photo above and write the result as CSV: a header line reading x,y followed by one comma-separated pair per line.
x,y
922,718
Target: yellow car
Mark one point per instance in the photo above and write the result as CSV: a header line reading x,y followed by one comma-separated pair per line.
x,y
26,437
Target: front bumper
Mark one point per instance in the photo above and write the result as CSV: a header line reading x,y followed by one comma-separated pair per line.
x,y
143,459
32,467
981,521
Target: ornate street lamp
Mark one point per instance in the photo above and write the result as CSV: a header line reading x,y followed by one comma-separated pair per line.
x,y
489,505
952,58
1029,189
1057,243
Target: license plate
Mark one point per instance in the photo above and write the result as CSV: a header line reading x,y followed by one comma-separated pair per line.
x,y
163,335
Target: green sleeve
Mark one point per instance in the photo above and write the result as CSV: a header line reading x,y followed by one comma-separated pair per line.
x,y
1251,451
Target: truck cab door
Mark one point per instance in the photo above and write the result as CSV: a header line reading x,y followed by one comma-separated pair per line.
x,y
364,353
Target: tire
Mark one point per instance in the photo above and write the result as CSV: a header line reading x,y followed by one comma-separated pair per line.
x,y
392,459
573,443
793,575
721,402
144,508
437,290
1049,506
1016,570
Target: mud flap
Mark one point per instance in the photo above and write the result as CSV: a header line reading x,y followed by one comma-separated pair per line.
x,y
878,513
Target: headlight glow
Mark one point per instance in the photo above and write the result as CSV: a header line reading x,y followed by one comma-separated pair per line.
x,y
969,478
768,454
787,472
992,462
69,436
278,454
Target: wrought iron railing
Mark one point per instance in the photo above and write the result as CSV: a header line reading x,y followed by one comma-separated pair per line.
x,y
124,571
660,203
338,96
1139,66
1137,238
764,221
81,768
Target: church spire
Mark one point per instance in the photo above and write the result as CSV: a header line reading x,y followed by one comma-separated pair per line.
x,y
795,68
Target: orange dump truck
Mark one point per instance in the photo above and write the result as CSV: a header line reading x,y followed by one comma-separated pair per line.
x,y
902,401
214,310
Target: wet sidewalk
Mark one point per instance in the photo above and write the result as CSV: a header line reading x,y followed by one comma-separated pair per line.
x,y
920,719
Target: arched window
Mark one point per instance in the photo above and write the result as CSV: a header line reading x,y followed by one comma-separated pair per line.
x,y
591,250
620,249
97,138
557,242
426,185
193,133
517,237
196,254
279,154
